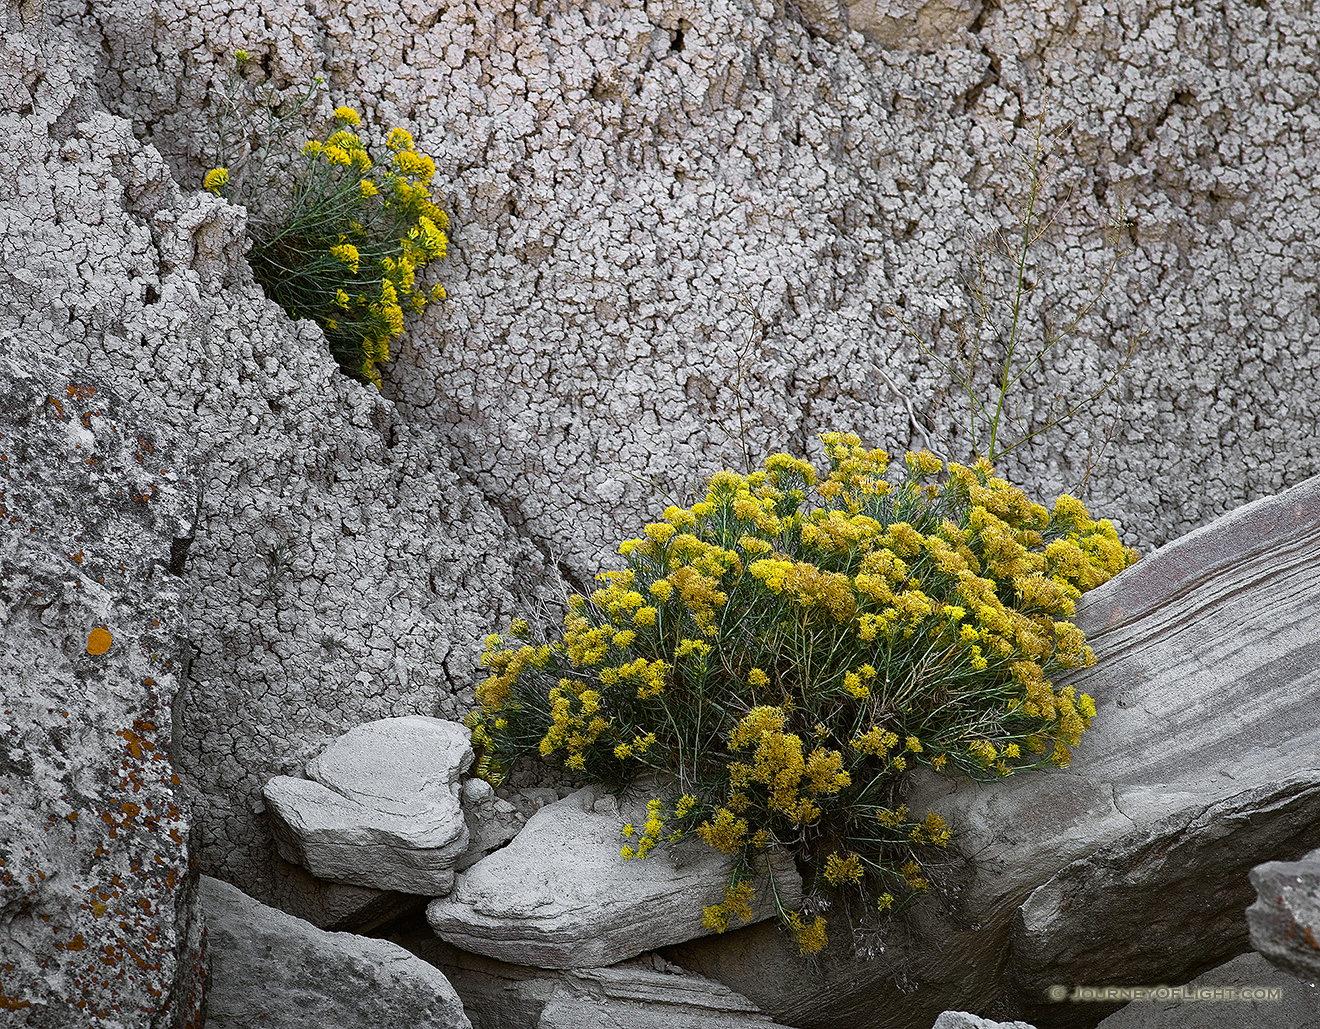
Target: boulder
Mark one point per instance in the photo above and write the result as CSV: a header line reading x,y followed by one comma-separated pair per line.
x,y
380,807
1133,860
1284,922
272,969
98,911
1246,992
560,895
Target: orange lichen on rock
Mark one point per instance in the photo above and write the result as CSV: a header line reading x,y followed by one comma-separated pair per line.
x,y
98,641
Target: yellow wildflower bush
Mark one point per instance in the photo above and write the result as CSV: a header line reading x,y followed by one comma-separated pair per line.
x,y
786,650
346,237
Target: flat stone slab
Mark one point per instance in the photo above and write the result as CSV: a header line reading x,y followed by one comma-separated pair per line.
x,y
1284,922
273,970
380,807
560,895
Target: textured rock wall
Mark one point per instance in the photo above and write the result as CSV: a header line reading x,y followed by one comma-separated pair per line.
x,y
99,917
679,225
339,570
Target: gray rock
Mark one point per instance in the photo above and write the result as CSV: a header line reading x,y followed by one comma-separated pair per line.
x,y
491,821
98,910
560,896
272,969
765,160
344,568
1244,993
1134,860
964,1020
642,993
1284,922
381,807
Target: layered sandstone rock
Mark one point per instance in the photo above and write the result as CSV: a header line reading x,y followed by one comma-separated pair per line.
x,y
379,807
560,895
642,993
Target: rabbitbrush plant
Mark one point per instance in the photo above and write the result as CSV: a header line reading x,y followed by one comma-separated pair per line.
x,y
787,650
340,238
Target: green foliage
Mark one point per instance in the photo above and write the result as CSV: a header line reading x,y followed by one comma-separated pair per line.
x,y
787,650
346,236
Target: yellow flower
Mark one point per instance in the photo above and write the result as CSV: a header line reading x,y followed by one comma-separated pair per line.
x,y
726,833
811,939
347,253
242,56
367,188
348,116
312,148
216,179
399,139
839,870
338,155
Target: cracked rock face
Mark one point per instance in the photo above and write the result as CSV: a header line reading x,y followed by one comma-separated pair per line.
x,y
560,896
98,902
379,808
1285,919
678,226
271,969
1201,762
342,567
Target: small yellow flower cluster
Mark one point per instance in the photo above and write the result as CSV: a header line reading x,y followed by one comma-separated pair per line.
x,y
915,880
575,722
216,180
737,901
778,765
811,939
840,870
495,694
347,248
652,832
398,203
